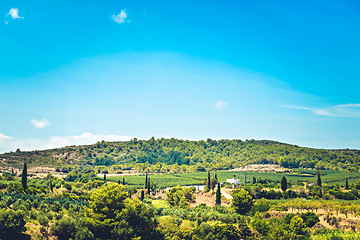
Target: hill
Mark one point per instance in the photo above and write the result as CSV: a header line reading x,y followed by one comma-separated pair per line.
x,y
175,155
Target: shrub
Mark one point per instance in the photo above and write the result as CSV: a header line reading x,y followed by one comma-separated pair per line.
x,y
11,223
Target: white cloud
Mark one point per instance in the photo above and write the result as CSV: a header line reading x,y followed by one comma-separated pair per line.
x,y
84,138
120,18
6,22
56,141
220,105
4,137
350,110
40,123
14,13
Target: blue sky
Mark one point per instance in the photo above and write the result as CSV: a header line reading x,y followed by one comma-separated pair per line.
x,y
76,72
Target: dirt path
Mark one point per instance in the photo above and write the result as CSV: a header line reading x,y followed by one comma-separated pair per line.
x,y
225,194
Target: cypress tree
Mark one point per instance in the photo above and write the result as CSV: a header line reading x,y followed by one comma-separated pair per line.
x,y
51,187
146,180
283,183
254,180
245,179
148,186
218,195
142,195
105,177
123,181
24,177
318,173
216,178
208,181
347,184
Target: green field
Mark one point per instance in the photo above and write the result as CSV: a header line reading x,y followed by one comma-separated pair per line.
x,y
169,180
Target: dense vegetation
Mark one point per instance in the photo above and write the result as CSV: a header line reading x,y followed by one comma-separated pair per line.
x,y
87,207
271,205
175,155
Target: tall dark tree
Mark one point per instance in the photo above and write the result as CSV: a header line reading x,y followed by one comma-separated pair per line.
x,y
123,182
213,184
284,183
105,177
146,180
347,184
208,183
318,174
24,177
245,179
142,195
254,180
218,195
148,186
216,178
51,186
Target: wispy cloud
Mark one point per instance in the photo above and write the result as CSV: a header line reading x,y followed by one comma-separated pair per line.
x,y
56,141
40,123
220,105
85,138
6,22
4,137
350,110
120,18
14,13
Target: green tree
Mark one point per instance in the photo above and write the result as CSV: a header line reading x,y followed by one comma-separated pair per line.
x,y
242,201
24,177
142,195
180,197
310,219
259,225
213,184
12,223
148,186
108,201
208,182
218,195
64,228
347,184
318,174
283,184
254,180
146,180
51,186
114,216
297,229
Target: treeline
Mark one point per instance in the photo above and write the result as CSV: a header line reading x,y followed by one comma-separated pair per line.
x,y
175,155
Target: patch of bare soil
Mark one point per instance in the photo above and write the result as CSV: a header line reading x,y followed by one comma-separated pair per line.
x,y
40,172
208,198
344,222
129,173
260,168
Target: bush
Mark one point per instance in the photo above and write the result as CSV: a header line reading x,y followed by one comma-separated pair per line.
x,y
310,219
11,223
64,228
43,220
242,201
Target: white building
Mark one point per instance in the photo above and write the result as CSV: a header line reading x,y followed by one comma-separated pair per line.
x,y
233,181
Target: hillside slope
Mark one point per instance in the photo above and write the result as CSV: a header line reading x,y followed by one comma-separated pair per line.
x,y
163,155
